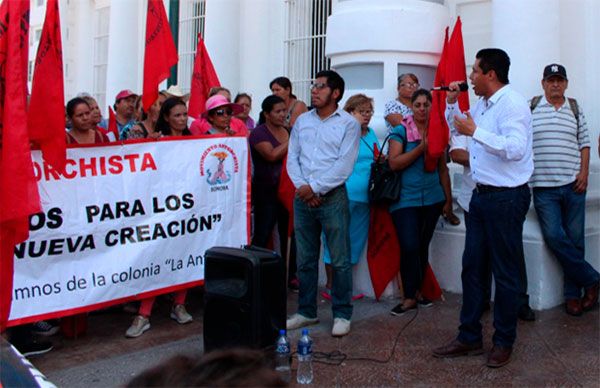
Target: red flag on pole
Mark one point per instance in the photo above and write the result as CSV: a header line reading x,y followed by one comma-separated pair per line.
x,y
112,123
204,77
286,192
19,196
456,69
438,134
46,115
160,53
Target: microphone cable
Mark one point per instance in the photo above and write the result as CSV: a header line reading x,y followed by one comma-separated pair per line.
x,y
337,357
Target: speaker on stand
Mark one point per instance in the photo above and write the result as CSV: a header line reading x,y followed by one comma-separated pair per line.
x,y
245,297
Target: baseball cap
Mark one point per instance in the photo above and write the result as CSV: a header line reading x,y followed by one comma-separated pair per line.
x,y
124,94
555,69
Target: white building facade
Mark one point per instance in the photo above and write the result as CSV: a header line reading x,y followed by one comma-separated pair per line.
x,y
369,42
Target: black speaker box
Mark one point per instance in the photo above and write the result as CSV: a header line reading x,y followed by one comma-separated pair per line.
x,y
245,297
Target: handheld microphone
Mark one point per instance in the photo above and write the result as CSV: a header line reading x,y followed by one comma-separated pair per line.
x,y
463,87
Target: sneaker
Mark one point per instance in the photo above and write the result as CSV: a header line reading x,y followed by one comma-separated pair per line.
x,y
341,327
180,314
425,303
297,321
33,348
399,310
326,295
138,327
44,328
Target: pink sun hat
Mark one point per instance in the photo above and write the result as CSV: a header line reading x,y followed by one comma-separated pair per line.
x,y
219,101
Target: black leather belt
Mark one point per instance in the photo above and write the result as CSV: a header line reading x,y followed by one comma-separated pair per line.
x,y
480,188
331,192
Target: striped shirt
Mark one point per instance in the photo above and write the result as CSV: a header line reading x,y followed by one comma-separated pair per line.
x,y
557,144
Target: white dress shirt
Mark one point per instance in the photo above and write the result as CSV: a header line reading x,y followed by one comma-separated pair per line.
x,y
461,142
322,153
500,152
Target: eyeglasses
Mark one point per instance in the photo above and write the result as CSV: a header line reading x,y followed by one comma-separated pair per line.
x,y
223,112
366,112
410,85
318,86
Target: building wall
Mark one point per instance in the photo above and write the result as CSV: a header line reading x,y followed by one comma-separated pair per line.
x,y
370,41
534,33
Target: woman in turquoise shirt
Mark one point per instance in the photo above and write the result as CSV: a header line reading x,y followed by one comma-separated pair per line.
x,y
361,107
423,197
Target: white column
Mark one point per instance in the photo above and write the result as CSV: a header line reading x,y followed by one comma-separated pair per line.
x,y
78,49
222,39
261,48
408,33
362,35
530,32
124,66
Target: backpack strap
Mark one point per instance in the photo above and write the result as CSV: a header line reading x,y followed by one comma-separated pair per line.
x,y
534,102
575,108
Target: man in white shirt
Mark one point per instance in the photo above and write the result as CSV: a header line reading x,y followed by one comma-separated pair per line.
x,y
322,151
500,157
459,153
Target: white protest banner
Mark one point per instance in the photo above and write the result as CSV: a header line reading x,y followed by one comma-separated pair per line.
x,y
129,221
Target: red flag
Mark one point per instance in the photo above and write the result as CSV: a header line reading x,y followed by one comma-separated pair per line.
x,y
19,196
383,256
46,116
204,77
160,53
438,134
286,192
456,69
451,68
383,250
112,123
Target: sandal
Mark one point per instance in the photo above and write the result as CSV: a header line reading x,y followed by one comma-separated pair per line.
x,y
357,297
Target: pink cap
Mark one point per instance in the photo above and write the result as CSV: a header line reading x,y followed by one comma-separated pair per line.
x,y
124,94
218,101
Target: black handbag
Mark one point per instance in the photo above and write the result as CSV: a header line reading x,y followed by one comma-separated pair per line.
x,y
385,184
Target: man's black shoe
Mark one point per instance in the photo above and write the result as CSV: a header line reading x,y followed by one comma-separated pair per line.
x,y
526,313
33,348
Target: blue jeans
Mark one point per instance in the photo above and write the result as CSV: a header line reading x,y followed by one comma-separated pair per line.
x,y
561,212
523,296
495,233
359,232
414,227
333,218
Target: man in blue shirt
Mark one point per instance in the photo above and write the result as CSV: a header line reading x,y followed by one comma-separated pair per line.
x,y
322,151
501,161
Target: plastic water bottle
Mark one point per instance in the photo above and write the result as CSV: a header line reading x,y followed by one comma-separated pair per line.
x,y
282,357
305,371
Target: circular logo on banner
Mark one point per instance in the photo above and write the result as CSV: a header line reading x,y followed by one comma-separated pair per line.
x,y
218,163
